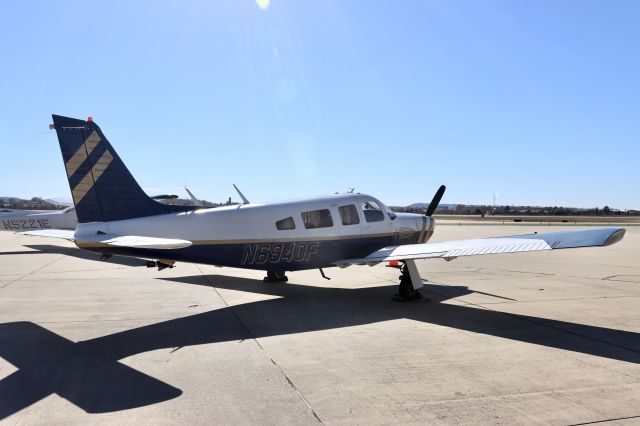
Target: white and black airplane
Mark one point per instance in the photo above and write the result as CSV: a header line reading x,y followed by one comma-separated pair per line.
x,y
115,217
28,220
23,220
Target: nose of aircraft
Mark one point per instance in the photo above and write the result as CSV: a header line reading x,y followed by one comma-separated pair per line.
x,y
410,221
419,226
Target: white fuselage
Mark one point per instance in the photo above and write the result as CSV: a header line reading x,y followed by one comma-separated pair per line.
x,y
248,235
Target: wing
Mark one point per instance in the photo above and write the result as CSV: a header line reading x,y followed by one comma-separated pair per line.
x,y
513,244
134,241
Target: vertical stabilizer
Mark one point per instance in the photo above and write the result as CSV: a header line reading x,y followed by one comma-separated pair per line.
x,y
102,187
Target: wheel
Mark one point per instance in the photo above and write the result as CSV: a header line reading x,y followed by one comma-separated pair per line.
x,y
406,290
275,277
280,276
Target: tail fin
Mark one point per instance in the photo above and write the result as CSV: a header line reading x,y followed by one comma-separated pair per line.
x,y
103,189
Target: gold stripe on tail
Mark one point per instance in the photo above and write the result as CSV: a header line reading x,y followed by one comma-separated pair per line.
x,y
92,177
82,153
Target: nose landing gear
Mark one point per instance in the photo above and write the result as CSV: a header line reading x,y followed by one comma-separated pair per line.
x,y
405,289
410,282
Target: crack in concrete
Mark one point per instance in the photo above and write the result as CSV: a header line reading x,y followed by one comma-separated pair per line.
x,y
255,339
526,272
541,324
34,271
556,392
605,421
612,278
558,300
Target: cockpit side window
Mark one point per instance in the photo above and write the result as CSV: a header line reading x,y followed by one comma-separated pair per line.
x,y
286,223
317,219
372,211
349,214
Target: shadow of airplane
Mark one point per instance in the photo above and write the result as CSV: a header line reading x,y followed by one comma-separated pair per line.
x,y
75,252
89,374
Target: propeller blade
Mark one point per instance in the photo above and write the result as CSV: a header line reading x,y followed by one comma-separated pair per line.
x,y
436,200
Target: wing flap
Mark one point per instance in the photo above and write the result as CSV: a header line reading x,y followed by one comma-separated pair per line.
x,y
475,247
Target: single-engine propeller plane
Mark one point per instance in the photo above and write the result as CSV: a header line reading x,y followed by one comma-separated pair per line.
x,y
115,217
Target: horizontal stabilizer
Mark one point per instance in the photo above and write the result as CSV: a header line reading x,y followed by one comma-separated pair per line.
x,y
513,244
133,241
52,233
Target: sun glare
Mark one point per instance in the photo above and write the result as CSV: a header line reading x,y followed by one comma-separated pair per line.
x,y
263,4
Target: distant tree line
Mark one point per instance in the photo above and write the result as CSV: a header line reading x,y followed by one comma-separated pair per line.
x,y
205,203
470,209
36,203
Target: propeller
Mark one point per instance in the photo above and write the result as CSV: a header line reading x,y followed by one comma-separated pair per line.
x,y
436,200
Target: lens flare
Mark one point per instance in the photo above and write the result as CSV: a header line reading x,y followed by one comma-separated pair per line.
x,y
263,4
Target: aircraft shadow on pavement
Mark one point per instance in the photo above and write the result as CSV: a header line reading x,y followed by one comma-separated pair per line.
x,y
75,252
89,374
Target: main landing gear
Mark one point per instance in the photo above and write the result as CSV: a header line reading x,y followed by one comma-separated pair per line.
x,y
410,282
161,264
275,277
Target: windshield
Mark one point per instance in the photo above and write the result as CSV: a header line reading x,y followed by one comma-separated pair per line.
x,y
373,211
390,212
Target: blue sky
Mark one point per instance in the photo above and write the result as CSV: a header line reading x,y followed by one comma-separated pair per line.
x,y
536,101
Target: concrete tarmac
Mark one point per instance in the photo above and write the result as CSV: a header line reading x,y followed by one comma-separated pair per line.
x,y
527,338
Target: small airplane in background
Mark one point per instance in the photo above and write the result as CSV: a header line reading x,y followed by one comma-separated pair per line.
x,y
115,217
24,220
28,220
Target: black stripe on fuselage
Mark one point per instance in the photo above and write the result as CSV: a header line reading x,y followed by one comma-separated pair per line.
x,y
266,255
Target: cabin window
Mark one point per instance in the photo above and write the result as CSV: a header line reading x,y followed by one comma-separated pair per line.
x,y
287,223
349,214
317,219
372,211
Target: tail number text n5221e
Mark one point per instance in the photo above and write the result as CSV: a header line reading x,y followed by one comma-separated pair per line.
x,y
18,224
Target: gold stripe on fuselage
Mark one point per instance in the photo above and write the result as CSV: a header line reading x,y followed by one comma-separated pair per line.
x,y
293,239
258,240
422,234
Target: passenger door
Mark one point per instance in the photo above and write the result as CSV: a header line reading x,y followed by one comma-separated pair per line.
x,y
377,225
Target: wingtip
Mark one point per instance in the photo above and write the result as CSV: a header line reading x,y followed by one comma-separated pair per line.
x,y
615,237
